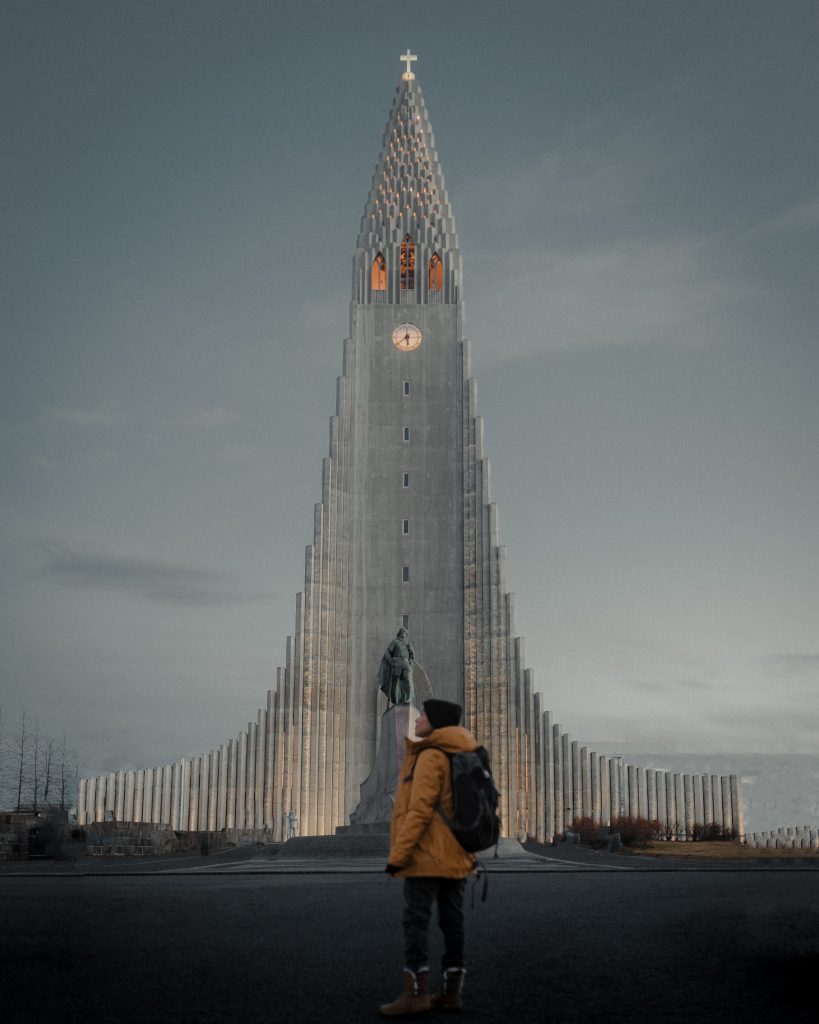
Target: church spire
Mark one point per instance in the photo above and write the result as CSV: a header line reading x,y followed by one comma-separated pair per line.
x,y
407,248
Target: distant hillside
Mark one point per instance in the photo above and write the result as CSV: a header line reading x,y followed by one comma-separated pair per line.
x,y
779,789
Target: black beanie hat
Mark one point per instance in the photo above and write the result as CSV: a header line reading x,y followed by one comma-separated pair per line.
x,y
441,713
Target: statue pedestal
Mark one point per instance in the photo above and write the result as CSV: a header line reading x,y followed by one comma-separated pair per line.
x,y
374,810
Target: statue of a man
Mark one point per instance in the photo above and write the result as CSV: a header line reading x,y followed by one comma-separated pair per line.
x,y
395,671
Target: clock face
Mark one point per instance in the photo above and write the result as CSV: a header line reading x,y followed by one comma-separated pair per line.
x,y
406,337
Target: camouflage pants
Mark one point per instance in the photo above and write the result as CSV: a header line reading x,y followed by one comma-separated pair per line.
x,y
419,895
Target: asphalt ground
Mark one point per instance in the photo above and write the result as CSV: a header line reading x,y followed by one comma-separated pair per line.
x,y
570,945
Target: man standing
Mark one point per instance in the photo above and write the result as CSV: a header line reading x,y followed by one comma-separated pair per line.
x,y
433,864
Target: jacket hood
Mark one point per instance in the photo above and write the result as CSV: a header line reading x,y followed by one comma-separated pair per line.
x,y
452,739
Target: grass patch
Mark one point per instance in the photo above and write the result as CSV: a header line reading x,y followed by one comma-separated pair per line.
x,y
720,850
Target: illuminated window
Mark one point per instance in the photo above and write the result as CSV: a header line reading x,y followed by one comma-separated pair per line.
x,y
405,526
407,263
436,273
406,387
406,479
379,274
406,433
405,574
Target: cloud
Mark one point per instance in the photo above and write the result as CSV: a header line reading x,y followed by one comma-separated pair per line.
x,y
216,416
150,580
670,686
803,217
791,665
623,292
104,414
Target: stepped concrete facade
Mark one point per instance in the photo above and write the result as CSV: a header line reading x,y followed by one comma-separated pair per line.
x,y
406,533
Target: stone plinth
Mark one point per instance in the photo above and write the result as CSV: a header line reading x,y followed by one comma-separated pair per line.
x,y
378,789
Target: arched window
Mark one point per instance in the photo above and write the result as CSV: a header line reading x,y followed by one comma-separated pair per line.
x,y
379,274
407,263
436,273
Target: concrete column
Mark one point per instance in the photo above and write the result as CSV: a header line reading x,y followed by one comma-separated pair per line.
x,y
696,788
228,812
119,800
605,791
130,786
250,777
642,792
568,806
548,754
659,793
148,795
261,737
90,800
727,811
167,787
737,805
707,801
82,809
269,798
156,800
139,793
557,798
237,754
193,798
671,804
176,788
213,794
596,805
221,807
651,794
679,802
633,810
111,792
204,790
99,799
688,803
585,783
577,781
184,792
716,800
614,787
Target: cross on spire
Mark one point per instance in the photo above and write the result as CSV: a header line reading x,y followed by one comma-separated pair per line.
x,y
409,58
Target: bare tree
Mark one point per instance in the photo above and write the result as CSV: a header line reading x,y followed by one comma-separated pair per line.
x,y
48,768
20,749
36,765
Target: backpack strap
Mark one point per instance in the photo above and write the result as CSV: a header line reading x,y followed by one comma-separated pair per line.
x,y
408,778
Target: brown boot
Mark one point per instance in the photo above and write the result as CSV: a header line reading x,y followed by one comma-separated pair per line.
x,y
414,999
449,998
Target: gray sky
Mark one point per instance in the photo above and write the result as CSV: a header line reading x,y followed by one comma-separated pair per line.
x,y
635,187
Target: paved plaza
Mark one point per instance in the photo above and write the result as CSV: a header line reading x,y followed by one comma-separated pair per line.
x,y
236,937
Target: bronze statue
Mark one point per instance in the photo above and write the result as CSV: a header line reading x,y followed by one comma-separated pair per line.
x,y
395,671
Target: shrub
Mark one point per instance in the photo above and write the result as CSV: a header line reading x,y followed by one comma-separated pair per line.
x,y
588,830
636,831
712,832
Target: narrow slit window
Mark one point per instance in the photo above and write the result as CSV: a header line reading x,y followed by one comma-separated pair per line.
x,y
405,574
406,387
379,274
405,621
405,526
436,273
406,479
406,433
407,263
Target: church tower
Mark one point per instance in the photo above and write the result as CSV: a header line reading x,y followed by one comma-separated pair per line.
x,y
405,534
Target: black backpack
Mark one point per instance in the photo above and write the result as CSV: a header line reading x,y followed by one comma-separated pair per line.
x,y
475,823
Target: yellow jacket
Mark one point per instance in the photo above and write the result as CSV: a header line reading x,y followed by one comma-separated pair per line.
x,y
421,843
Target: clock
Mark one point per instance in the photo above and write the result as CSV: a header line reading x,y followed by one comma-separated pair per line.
x,y
406,337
